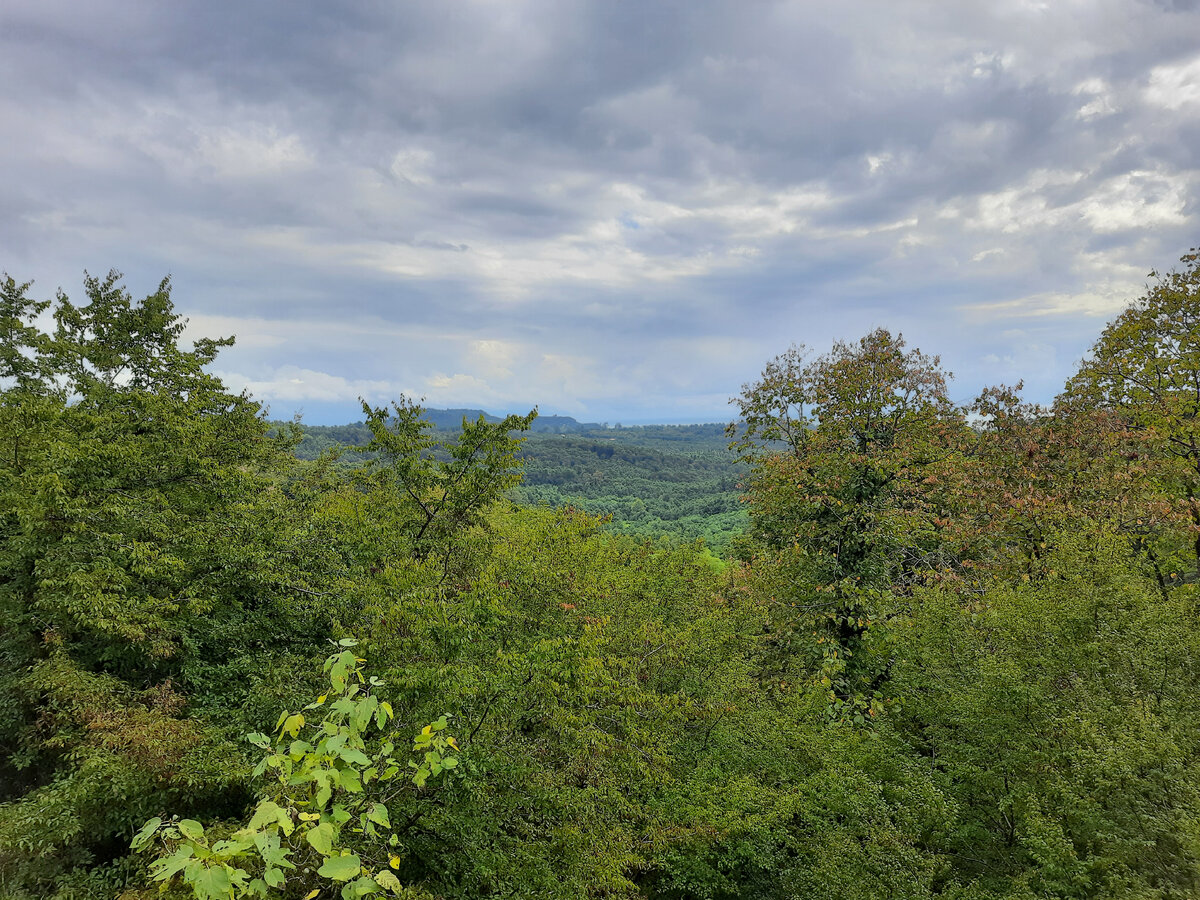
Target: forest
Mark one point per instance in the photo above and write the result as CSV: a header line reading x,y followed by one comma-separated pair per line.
x,y
952,651
679,482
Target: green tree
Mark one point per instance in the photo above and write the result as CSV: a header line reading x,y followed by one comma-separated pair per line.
x,y
443,484
22,345
140,502
844,452
841,448
1145,371
1057,716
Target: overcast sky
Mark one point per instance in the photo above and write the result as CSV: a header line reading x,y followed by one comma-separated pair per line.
x,y
614,210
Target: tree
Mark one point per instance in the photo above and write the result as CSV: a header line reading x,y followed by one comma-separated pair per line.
x,y
22,344
1029,474
844,452
1145,370
140,509
840,450
442,485
1058,716
332,780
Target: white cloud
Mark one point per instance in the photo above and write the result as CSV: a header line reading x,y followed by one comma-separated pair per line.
x,y
1102,301
568,207
253,151
1097,99
494,358
1175,86
293,383
1138,200
412,165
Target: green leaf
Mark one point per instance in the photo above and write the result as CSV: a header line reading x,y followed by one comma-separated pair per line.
x,y
142,837
363,887
272,853
321,838
388,881
298,748
269,812
341,868
354,757
234,846
193,831
323,795
339,669
165,869
212,883
379,815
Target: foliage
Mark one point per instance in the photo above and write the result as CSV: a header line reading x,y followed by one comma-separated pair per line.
x,y
445,492
326,819
953,655
1058,716
1145,371
140,536
679,481
844,453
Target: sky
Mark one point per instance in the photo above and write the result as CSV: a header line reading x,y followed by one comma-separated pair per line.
x,y
614,210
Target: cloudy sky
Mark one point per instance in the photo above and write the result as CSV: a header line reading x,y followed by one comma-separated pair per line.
x,y
614,210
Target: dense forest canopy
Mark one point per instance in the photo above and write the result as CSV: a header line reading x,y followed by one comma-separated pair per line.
x,y
675,481
954,652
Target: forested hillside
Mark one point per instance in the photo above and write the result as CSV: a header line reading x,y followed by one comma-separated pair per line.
x,y
955,653
679,481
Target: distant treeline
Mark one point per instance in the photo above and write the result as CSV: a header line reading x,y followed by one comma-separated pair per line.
x,y
679,481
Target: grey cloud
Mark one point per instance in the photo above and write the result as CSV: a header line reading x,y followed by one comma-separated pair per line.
x,y
603,181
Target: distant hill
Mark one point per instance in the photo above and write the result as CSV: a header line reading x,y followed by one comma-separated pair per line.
x,y
677,480
451,420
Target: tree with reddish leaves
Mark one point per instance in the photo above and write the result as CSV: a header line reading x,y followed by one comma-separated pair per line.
x,y
1029,473
845,452
1144,373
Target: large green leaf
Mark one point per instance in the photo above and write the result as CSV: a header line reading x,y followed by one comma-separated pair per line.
x,y
212,883
143,837
321,838
341,868
192,830
388,881
379,815
269,811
